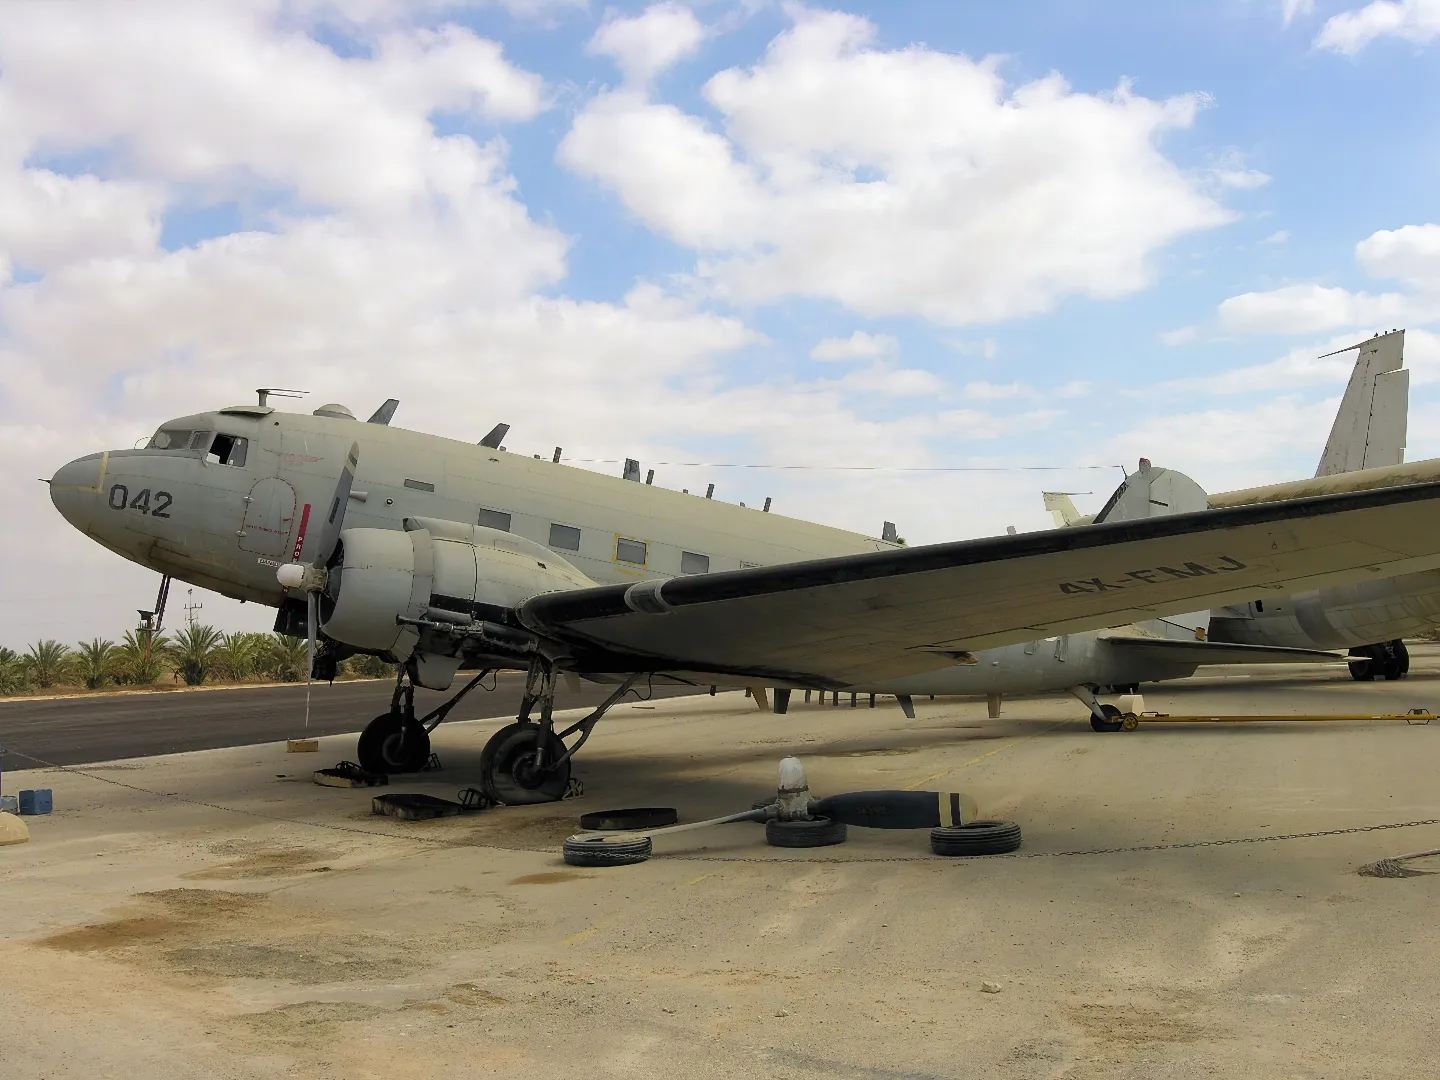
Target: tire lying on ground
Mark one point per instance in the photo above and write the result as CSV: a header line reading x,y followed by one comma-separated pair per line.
x,y
976,838
603,851
815,832
639,817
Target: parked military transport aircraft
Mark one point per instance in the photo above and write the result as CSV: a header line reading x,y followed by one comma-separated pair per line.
x,y
436,553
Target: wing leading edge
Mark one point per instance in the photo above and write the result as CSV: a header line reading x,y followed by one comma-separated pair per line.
x,y
864,618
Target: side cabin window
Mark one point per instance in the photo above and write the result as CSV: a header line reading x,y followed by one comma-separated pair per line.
x,y
631,551
494,519
227,450
691,563
565,537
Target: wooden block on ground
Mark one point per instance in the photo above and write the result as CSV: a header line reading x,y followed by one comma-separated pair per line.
x,y
302,746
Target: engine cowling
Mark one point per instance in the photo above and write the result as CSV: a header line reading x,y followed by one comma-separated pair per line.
x,y
437,573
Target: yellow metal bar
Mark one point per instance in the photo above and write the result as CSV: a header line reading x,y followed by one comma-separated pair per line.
x,y
1415,716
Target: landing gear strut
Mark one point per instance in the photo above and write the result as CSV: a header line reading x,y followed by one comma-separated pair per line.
x,y
398,742
1102,717
528,761
1389,659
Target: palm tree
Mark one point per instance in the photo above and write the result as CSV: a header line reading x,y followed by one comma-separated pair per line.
x,y
193,652
47,662
238,655
284,657
13,678
95,662
140,657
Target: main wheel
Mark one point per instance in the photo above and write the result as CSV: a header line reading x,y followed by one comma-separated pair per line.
x,y
1403,655
508,767
381,749
814,832
1112,721
976,838
1362,670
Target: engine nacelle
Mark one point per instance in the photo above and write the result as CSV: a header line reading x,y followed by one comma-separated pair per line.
x,y
436,572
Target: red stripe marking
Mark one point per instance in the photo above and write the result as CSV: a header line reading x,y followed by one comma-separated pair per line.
x,y
300,538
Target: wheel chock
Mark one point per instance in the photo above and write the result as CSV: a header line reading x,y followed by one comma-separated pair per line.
x,y
414,807
349,775
302,746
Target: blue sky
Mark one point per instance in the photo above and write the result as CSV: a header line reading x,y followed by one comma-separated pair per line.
x,y
919,236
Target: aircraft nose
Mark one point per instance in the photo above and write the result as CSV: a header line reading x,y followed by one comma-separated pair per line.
x,y
76,487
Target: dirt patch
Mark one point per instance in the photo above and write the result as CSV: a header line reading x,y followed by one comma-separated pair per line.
x,y
181,911
1132,1024
302,1018
472,995
884,751
550,878
257,864
305,962
111,935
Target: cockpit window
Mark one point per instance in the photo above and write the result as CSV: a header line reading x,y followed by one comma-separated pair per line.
x,y
227,450
172,439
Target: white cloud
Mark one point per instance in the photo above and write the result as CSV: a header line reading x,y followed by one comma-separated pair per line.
x,y
903,181
1279,236
1417,21
1309,308
1182,335
1231,171
858,346
644,45
1290,10
1410,254
886,379
986,391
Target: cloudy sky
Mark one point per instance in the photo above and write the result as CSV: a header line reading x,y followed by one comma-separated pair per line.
x,y
954,244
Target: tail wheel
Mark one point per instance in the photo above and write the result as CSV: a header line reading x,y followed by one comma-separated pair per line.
x,y
1111,721
382,749
510,773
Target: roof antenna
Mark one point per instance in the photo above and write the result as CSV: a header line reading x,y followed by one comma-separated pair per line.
x,y
265,391
498,432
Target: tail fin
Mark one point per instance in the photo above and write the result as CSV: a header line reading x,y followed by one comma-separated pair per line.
x,y
1063,510
1369,429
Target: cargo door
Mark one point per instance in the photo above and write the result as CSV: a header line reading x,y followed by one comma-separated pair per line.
x,y
269,519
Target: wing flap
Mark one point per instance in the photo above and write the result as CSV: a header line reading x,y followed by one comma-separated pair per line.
x,y
865,618
1215,652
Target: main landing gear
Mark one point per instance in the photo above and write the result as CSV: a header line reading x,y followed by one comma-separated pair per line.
x,y
524,762
1103,717
1389,659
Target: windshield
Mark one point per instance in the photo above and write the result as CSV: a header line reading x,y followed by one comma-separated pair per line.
x,y
178,439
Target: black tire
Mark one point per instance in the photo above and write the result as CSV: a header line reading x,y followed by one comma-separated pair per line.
x,y
976,838
602,851
506,774
1112,721
380,750
641,817
1362,670
1403,655
814,832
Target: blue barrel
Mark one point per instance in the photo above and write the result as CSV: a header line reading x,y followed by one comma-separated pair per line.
x,y
36,801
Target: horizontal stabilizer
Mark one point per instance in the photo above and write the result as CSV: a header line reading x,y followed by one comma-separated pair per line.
x,y
1215,652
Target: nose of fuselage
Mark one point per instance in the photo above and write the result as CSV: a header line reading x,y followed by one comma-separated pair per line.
x,y
75,489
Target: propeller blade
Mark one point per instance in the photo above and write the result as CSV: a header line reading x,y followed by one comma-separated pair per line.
x,y
897,809
330,533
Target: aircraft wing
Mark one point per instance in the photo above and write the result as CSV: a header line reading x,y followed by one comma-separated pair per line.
x,y
1215,652
865,618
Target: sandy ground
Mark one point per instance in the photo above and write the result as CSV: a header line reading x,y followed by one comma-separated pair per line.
x,y
217,915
